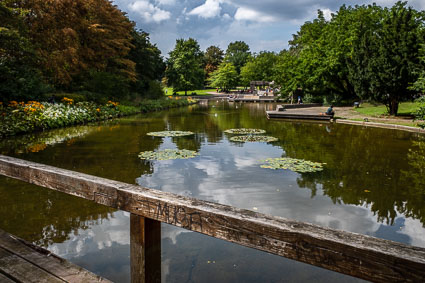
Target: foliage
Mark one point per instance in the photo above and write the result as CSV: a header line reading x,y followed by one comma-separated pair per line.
x,y
154,91
170,134
420,112
388,53
259,68
365,52
296,165
225,77
213,57
419,85
150,66
253,138
111,85
19,77
168,154
32,116
245,131
238,54
185,66
74,36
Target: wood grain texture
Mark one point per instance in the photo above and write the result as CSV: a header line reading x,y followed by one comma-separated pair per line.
x,y
145,249
25,254
349,253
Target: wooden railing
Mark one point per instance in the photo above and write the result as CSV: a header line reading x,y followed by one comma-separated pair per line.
x,y
349,253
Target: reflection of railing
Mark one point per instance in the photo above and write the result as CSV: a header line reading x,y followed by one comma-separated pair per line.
x,y
349,253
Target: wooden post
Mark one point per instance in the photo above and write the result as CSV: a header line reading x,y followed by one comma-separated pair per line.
x,y
145,249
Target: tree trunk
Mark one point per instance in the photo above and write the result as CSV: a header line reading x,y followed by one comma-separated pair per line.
x,y
393,107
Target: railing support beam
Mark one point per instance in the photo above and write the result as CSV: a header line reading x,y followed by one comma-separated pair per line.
x,y
145,249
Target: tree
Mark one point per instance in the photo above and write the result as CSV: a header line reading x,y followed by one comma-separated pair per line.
x,y
238,54
390,56
259,68
225,77
73,37
213,58
150,66
286,72
419,85
184,66
19,77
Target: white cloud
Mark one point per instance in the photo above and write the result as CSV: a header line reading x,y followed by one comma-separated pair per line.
x,y
245,14
166,2
327,13
210,9
149,12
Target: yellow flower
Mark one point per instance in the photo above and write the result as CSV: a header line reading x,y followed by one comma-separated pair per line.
x,y
98,110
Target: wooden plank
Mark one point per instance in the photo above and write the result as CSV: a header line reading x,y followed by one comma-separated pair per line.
x,y
22,271
286,115
145,249
46,261
5,279
349,253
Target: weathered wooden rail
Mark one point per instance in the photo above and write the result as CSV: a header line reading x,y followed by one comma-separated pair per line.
x,y
349,253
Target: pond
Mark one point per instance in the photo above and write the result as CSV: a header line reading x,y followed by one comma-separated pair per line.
x,y
372,183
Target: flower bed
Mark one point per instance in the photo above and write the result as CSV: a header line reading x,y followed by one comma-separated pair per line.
x,y
20,117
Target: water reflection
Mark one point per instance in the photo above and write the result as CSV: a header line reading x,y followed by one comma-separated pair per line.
x,y
372,184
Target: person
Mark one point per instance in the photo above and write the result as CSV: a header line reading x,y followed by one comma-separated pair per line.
x,y
330,111
299,100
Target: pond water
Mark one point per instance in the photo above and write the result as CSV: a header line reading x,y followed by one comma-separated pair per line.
x,y
372,183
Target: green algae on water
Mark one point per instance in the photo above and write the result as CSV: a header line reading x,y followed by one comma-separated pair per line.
x,y
296,165
171,134
253,139
245,131
168,154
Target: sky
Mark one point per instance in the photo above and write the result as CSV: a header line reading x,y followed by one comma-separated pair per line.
x,y
262,24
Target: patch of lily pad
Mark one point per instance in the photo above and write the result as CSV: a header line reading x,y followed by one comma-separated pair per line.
x,y
168,154
170,134
296,165
253,139
245,131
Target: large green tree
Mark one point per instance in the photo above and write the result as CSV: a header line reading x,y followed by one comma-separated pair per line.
x,y
213,58
73,37
389,55
185,66
238,54
150,66
259,68
225,77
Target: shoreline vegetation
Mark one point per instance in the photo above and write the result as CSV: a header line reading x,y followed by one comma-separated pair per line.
x,y
20,117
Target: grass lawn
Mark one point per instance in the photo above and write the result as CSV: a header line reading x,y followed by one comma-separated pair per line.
x,y
405,108
169,91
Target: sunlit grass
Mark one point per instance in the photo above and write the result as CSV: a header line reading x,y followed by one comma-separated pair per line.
x,y
169,91
405,108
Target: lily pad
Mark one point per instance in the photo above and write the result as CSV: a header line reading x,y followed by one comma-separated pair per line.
x,y
171,134
296,165
168,154
253,139
245,131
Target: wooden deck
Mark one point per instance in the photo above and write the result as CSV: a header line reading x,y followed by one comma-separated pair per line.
x,y
21,261
300,113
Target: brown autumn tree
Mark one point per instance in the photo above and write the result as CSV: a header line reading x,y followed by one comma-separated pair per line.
x,y
74,36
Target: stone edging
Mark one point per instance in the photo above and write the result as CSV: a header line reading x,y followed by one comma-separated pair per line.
x,y
381,125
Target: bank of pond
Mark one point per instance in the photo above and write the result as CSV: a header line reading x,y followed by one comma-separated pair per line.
x,y
23,117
